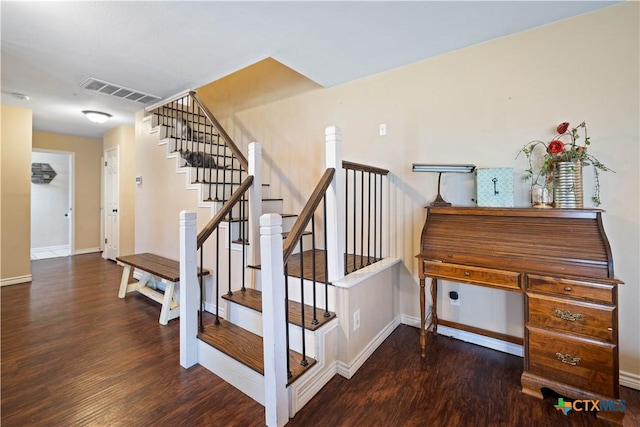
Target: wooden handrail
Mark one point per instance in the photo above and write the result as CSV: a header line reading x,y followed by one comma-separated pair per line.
x,y
224,211
365,168
307,212
225,136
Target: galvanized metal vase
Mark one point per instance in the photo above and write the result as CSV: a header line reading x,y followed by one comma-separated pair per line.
x,y
567,185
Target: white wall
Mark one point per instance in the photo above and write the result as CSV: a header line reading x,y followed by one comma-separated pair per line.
x,y
50,202
478,105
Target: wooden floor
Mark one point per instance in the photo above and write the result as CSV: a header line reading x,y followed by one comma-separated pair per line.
x,y
74,354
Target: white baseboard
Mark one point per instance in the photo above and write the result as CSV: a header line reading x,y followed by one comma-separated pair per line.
x,y
348,370
481,340
630,380
86,251
15,280
627,379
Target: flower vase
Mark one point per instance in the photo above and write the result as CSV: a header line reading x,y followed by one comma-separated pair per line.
x,y
541,196
567,185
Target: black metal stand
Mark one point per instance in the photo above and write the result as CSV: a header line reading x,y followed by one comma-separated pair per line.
x,y
439,201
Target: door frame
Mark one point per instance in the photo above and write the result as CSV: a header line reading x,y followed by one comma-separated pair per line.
x,y
105,192
71,156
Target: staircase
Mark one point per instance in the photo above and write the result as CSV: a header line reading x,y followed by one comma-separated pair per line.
x,y
227,323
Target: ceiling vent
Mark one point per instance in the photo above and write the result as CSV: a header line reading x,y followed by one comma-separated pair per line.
x,y
111,89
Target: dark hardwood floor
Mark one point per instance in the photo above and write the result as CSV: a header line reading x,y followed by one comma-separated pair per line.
x,y
74,354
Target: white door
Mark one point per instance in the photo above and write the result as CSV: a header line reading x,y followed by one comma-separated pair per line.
x,y
111,204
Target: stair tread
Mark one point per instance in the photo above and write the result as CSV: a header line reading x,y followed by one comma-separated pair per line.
x,y
352,263
247,347
252,299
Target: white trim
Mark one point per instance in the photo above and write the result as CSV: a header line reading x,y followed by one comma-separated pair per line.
x,y
15,280
630,380
87,251
65,248
365,273
481,340
627,379
71,157
167,100
325,368
347,370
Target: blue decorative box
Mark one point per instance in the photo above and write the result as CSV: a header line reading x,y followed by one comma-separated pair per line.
x,y
494,187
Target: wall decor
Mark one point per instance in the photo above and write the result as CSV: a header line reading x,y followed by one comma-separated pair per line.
x,y
494,187
42,173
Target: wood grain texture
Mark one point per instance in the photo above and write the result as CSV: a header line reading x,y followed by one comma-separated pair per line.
x,y
252,299
157,265
457,384
73,354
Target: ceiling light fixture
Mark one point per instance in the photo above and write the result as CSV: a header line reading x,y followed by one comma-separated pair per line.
x,y
440,169
96,116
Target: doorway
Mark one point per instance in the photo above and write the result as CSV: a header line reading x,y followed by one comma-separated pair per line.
x,y
52,196
112,197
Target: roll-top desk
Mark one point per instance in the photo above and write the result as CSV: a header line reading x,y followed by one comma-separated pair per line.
x,y
561,260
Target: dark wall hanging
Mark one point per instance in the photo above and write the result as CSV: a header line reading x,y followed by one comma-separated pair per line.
x,y
42,173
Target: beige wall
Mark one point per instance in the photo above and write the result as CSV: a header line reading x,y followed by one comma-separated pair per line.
x,y
124,138
88,152
478,105
15,194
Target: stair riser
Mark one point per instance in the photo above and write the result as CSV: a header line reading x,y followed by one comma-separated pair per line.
x,y
213,175
251,320
174,127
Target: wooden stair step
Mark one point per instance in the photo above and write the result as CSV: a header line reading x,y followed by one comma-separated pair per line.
x,y
247,347
352,263
252,299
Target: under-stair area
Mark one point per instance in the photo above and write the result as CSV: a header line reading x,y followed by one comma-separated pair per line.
x,y
268,317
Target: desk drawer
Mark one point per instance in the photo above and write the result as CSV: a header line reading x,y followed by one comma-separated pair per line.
x,y
578,289
584,318
583,363
484,276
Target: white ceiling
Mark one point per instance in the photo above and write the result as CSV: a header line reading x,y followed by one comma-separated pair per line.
x,y
162,48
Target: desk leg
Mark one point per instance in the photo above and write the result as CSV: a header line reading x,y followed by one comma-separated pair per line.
x,y
434,305
423,338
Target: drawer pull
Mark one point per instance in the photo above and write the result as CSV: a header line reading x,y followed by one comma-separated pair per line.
x,y
466,273
568,359
567,289
567,315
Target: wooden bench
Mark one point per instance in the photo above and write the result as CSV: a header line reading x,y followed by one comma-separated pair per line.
x,y
154,268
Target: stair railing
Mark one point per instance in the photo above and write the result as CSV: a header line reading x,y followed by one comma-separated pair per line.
x,y
363,217
295,238
202,144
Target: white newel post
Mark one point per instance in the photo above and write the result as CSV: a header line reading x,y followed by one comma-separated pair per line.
x,y
335,208
273,321
255,208
189,290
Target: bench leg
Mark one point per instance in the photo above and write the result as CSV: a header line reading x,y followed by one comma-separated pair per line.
x,y
124,282
166,303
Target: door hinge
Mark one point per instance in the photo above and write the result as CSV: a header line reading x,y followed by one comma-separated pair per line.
x,y
105,164
105,241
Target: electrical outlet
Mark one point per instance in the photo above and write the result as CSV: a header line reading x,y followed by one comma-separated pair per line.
x,y
383,129
356,320
454,298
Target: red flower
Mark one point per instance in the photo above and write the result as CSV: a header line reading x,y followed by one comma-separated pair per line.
x,y
579,148
556,146
562,127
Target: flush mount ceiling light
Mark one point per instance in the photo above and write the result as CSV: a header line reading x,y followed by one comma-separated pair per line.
x,y
440,169
96,116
